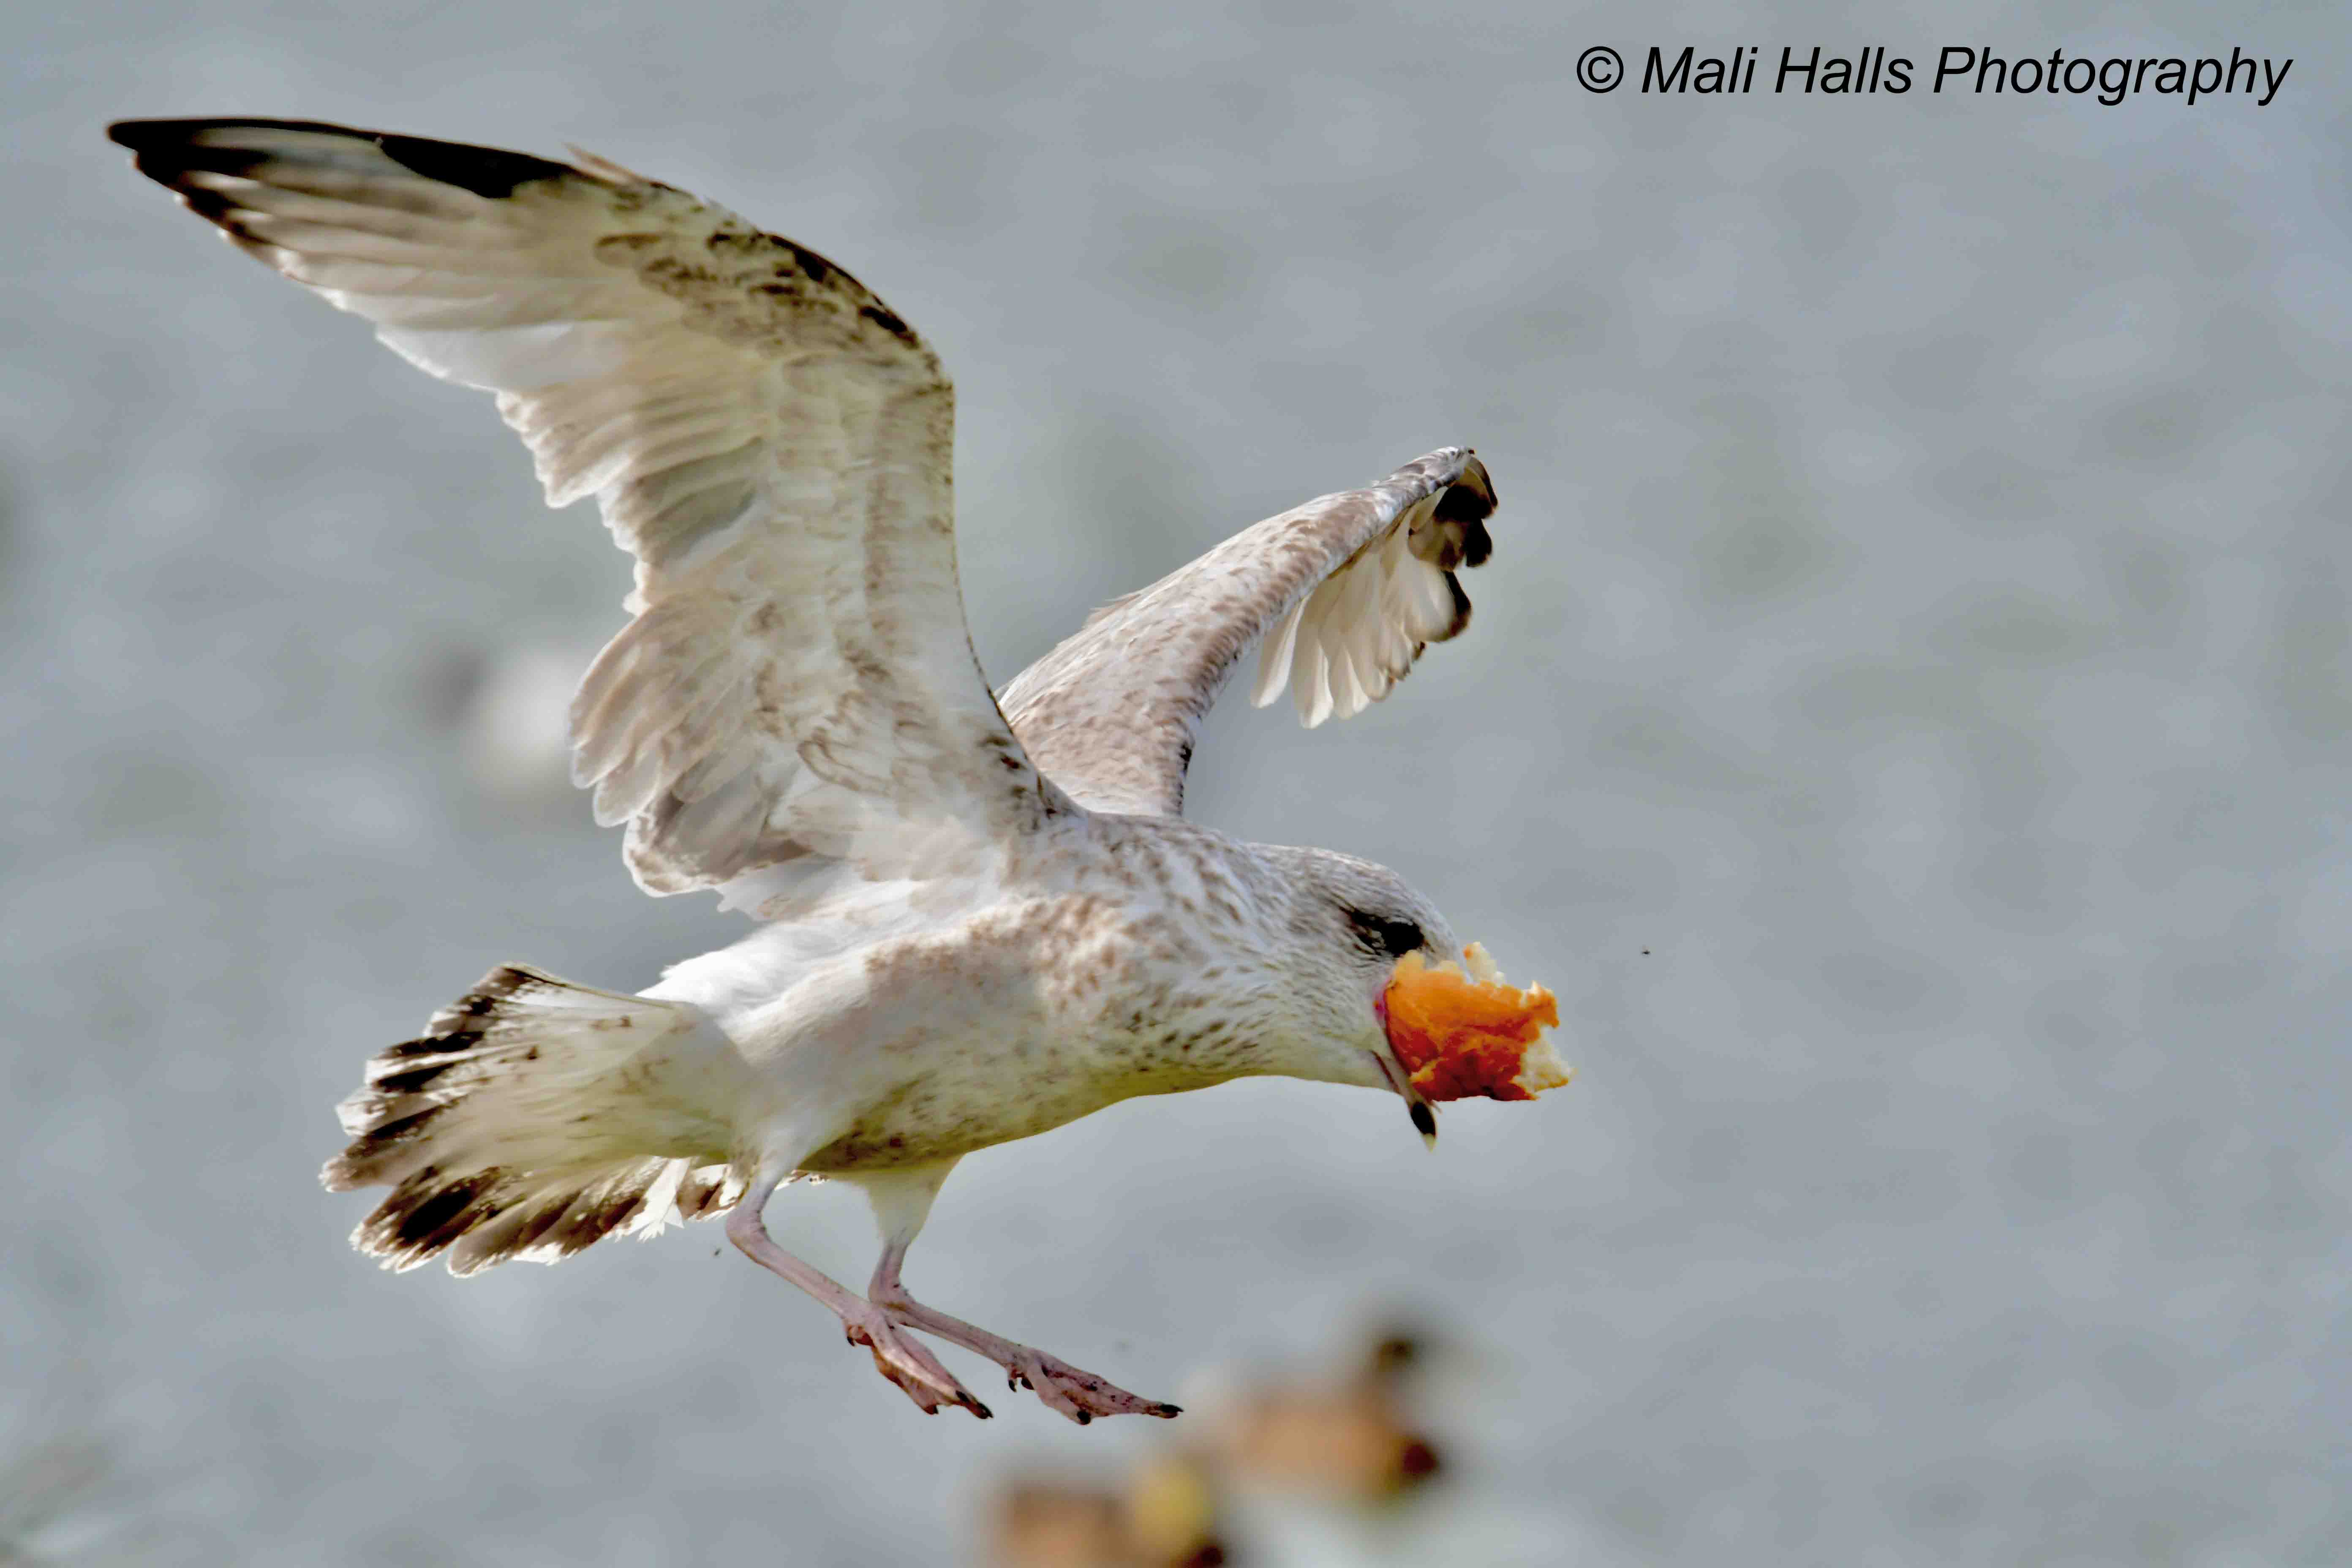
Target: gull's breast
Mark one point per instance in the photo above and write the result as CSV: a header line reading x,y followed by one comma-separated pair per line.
x,y
1028,1016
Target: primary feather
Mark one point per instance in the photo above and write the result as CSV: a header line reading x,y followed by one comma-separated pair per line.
x,y
1344,591
770,441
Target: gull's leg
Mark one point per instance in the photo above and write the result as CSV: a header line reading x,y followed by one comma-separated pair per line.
x,y
902,1201
1075,1392
897,1355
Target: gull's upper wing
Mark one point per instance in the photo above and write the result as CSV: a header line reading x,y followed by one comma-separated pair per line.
x,y
1346,591
769,440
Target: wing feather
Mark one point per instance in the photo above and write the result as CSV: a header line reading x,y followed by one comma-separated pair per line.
x,y
770,441
1345,592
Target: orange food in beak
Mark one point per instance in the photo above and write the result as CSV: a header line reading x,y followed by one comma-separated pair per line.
x,y
1464,1035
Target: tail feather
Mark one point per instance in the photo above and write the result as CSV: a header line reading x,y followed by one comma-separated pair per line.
x,y
534,1116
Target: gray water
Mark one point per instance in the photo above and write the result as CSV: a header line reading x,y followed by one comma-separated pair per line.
x,y
1907,722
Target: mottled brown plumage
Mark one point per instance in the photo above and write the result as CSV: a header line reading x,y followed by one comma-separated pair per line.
x,y
978,930
1112,713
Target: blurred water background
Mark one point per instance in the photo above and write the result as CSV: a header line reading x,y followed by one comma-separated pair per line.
x,y
1907,722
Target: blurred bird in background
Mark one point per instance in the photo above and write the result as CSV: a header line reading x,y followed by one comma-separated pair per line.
x,y
1277,1448
1163,1514
504,708
1355,1441
44,1483
985,913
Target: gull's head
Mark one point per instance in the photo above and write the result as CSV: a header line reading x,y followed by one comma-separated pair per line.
x,y
1380,992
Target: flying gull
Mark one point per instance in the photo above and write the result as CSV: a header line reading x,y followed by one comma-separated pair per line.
x,y
983,913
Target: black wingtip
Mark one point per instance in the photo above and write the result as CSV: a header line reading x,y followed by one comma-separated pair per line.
x,y
1478,544
165,147
1461,621
1424,1121
140,135
485,171
1466,503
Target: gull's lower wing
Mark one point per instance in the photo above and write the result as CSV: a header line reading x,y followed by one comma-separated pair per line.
x,y
1345,592
770,442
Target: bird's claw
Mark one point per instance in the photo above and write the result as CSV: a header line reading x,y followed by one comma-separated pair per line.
x,y
1080,1395
915,1370
1068,1390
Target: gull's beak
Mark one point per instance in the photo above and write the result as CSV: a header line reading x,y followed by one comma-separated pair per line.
x,y
1416,1104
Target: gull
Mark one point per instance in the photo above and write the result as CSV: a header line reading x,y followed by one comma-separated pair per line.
x,y
981,914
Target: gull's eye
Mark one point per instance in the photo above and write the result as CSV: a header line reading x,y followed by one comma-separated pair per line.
x,y
1387,938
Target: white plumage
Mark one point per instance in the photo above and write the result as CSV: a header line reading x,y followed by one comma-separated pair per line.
x,y
984,918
